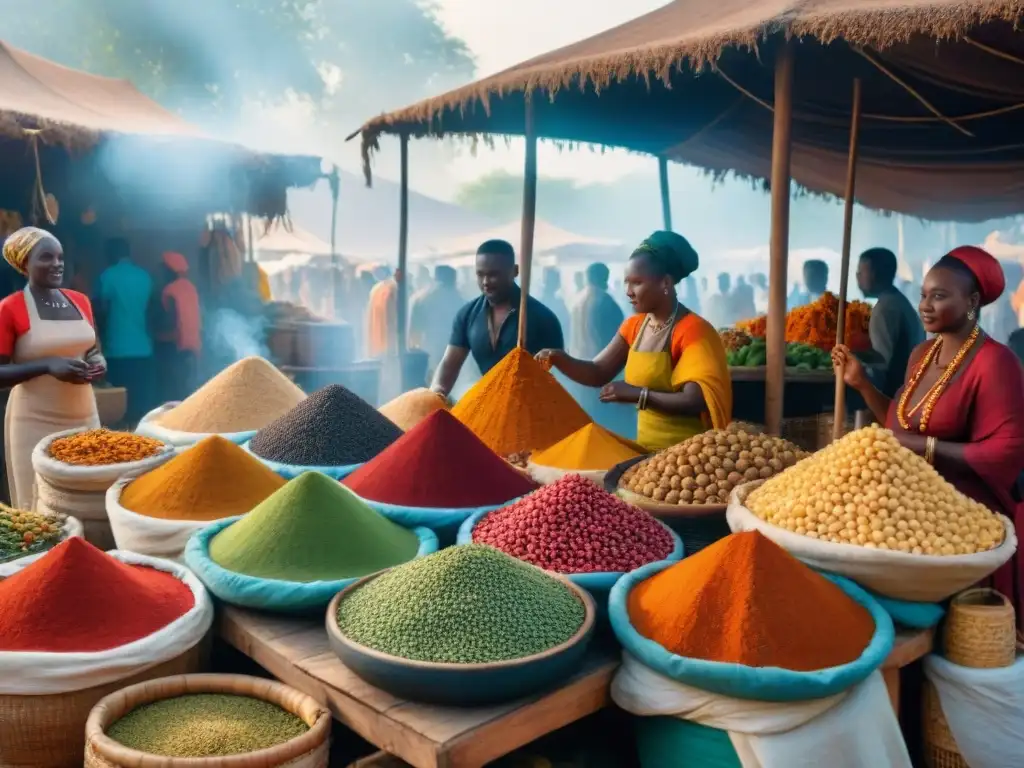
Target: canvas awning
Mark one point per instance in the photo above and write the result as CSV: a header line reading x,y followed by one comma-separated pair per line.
x,y
943,100
547,240
281,240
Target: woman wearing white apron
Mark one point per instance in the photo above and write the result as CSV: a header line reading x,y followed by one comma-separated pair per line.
x,y
48,354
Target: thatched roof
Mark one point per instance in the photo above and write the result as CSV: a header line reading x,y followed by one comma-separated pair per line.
x,y
943,96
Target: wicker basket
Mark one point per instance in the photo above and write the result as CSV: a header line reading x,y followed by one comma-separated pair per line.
x,y
940,749
980,630
811,433
49,731
310,750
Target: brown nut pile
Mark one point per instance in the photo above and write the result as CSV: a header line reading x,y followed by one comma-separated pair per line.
x,y
705,468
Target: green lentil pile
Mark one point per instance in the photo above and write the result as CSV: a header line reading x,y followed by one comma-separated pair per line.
x,y
206,725
463,605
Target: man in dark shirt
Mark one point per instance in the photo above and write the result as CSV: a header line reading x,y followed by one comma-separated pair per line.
x,y
895,327
488,326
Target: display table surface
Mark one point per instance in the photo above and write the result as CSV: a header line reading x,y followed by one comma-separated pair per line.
x,y
297,653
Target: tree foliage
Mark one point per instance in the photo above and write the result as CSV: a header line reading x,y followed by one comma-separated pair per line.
x,y
199,56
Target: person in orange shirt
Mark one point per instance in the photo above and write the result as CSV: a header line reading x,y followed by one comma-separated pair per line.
x,y
382,315
180,337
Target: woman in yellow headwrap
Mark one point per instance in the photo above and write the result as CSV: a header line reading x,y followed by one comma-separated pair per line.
x,y
676,374
48,353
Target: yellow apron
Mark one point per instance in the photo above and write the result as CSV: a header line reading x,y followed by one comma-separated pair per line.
x,y
656,431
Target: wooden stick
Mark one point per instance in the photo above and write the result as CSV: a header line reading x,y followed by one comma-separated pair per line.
x,y
403,246
775,334
666,200
529,216
334,181
839,414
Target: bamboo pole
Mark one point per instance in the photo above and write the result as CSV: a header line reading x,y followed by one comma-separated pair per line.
x,y
666,201
839,415
775,334
403,248
529,216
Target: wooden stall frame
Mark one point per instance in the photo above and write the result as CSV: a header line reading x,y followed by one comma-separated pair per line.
x,y
529,215
775,334
839,420
403,250
666,199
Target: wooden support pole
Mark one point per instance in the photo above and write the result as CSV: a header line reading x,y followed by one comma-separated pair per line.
x,y
775,334
403,248
334,181
529,216
839,415
666,200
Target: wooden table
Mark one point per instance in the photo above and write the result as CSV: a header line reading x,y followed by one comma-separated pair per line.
x,y
910,646
296,652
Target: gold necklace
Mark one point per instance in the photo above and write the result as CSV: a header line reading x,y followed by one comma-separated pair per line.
x,y
927,403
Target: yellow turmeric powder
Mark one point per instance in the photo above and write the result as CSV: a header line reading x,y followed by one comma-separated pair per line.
x,y
211,480
518,406
102,447
591,448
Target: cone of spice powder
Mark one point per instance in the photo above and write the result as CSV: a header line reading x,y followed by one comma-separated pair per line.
x,y
331,428
313,529
440,464
244,397
410,408
211,480
590,448
519,406
745,600
77,599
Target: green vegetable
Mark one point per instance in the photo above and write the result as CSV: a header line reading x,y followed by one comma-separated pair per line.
x,y
206,725
462,605
758,356
312,529
26,533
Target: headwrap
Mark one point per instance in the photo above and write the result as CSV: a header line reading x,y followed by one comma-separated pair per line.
x,y
673,251
19,245
176,262
985,268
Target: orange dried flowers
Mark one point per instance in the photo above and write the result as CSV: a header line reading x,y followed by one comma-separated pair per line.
x,y
816,323
100,447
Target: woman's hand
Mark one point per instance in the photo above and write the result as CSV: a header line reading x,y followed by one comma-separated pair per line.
x,y
69,370
619,392
854,374
550,358
97,366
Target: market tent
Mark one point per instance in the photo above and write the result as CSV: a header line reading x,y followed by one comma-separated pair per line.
x,y
943,101
281,240
548,240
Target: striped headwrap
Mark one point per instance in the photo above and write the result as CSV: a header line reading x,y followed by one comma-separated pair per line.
x,y
18,246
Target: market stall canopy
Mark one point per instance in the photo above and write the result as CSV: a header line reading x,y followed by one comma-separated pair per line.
x,y
943,100
118,133
291,239
548,241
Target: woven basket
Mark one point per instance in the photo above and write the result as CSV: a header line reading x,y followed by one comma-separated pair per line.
x,y
310,750
49,731
940,749
811,433
980,630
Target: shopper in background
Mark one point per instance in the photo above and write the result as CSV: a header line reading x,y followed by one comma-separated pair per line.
x,y
718,307
553,297
180,338
816,282
124,305
382,315
431,314
595,315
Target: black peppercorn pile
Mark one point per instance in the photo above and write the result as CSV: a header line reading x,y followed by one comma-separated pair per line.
x,y
330,428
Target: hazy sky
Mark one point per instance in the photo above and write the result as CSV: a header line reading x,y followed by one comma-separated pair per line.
x,y
501,34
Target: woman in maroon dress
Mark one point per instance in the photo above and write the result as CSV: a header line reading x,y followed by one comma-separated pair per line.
x,y
962,404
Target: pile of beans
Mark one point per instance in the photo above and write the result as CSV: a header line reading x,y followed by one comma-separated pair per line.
x,y
705,468
206,725
462,605
572,526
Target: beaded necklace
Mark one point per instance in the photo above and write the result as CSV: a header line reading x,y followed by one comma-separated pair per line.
x,y
927,403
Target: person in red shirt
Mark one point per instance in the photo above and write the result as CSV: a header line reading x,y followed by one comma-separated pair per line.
x,y
181,337
48,354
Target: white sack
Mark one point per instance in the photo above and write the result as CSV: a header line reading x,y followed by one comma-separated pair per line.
x,y
148,427
548,475
72,527
37,673
899,575
984,709
151,536
71,478
855,729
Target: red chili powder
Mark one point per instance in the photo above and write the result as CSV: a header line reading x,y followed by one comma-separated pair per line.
x,y
572,526
439,463
79,599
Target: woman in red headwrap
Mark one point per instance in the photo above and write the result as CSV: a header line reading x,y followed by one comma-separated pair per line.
x,y
962,406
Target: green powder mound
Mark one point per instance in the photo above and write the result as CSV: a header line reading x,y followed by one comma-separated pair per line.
x,y
206,725
312,529
463,605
